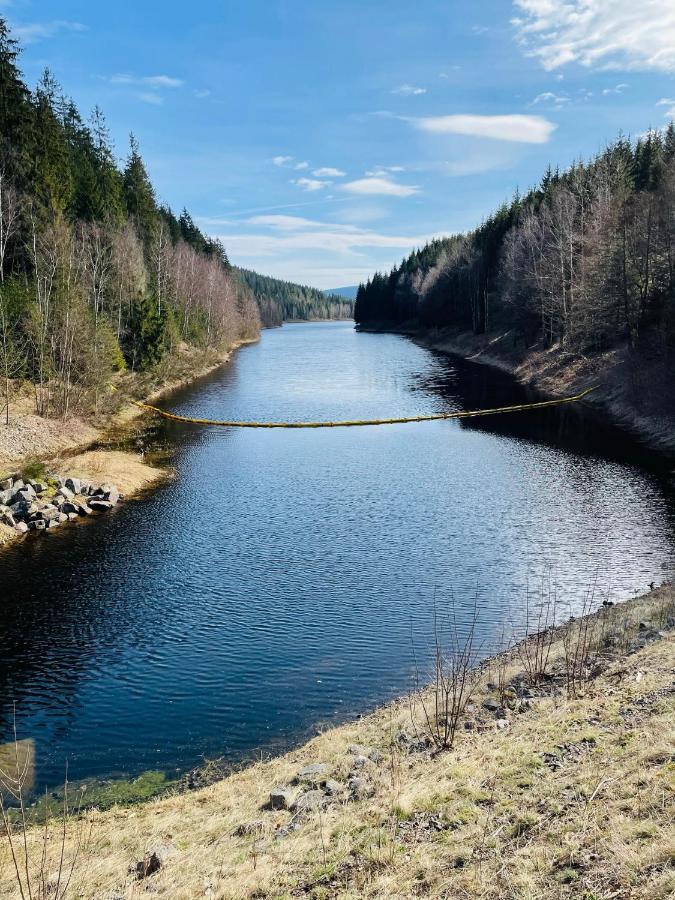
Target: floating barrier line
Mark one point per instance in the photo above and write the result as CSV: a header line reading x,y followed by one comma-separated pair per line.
x,y
358,423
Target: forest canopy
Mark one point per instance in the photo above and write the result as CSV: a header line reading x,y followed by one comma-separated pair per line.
x,y
282,301
585,260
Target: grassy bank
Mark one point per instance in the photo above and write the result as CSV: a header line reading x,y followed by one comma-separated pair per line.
x,y
548,792
88,446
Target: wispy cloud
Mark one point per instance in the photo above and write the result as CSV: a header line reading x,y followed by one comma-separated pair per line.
x,y
149,97
282,160
409,90
380,171
619,89
202,94
604,34
33,32
151,81
328,172
517,128
297,233
379,186
299,167
311,184
548,98
669,102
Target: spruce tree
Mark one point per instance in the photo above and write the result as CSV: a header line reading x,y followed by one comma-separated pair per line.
x,y
15,109
139,196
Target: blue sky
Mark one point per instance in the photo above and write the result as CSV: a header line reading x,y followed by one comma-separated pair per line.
x,y
323,140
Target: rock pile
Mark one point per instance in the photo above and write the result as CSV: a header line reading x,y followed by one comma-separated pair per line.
x,y
30,505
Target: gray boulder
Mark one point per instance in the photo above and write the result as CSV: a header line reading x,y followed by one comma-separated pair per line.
x,y
6,484
72,516
69,507
100,505
313,774
49,514
309,802
74,485
21,528
8,518
26,493
37,525
359,787
282,798
6,496
334,788
66,493
83,509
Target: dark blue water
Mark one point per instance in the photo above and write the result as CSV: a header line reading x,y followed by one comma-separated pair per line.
x,y
274,584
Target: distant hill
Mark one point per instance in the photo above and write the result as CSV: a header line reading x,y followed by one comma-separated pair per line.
x,y
283,301
349,292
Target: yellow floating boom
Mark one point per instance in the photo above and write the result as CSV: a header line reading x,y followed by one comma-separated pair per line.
x,y
465,414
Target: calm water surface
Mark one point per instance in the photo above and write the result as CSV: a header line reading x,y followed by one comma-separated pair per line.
x,y
275,583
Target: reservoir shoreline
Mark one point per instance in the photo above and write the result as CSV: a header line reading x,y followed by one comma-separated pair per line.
x,y
636,405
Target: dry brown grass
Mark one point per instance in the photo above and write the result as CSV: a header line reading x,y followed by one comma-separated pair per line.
x,y
573,800
127,471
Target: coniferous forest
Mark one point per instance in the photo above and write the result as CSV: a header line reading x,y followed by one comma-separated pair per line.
x,y
282,301
585,261
96,274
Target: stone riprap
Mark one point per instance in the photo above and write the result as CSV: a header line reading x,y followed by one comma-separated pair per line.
x,y
32,505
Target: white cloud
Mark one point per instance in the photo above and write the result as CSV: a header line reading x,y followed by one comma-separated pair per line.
x,y
338,239
202,94
299,167
604,34
321,253
149,97
517,128
551,99
619,89
409,90
670,112
311,184
152,81
379,186
39,31
284,223
380,171
328,172
282,160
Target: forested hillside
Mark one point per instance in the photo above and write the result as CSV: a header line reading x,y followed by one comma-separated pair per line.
x,y
95,274
282,301
585,261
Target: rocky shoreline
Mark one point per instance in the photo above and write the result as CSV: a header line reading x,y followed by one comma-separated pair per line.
x,y
34,505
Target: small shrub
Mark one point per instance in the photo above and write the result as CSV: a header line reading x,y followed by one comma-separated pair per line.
x,y
34,469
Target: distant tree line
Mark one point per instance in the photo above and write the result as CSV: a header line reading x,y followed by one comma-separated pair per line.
x,y
95,274
585,260
282,301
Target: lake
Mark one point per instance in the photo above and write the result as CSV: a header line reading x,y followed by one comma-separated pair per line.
x,y
286,579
